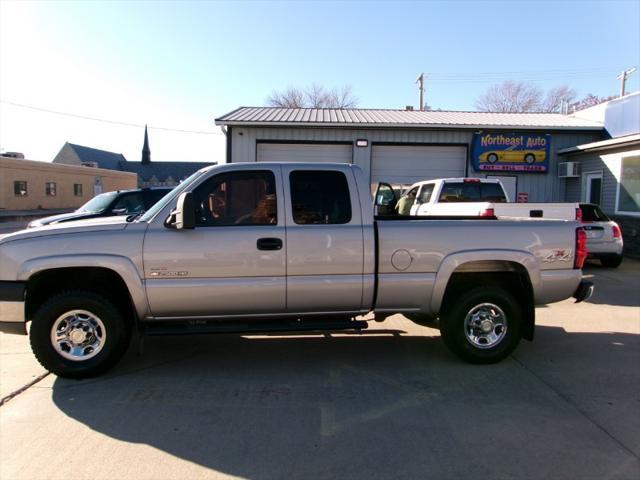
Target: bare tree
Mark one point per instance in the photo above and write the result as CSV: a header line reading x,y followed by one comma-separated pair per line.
x,y
315,96
590,100
556,97
343,97
510,96
289,98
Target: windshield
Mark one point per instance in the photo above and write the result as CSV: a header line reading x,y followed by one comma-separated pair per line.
x,y
99,203
153,211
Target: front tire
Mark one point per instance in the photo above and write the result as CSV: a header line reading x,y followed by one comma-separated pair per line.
x,y
492,158
483,325
79,334
529,158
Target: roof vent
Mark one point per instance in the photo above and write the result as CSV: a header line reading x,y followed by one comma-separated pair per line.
x,y
90,164
409,108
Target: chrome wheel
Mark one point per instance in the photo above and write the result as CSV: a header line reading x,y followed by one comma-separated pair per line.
x,y
485,325
78,335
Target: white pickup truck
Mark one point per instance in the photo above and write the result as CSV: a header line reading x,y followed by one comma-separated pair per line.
x,y
280,247
476,197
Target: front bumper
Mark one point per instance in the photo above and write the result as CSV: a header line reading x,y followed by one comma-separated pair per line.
x,y
584,291
12,301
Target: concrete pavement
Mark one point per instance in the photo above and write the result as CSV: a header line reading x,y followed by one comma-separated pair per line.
x,y
390,403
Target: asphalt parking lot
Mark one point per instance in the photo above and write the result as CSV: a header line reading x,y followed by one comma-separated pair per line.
x,y
388,403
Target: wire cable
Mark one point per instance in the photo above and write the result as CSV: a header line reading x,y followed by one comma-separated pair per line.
x,y
104,120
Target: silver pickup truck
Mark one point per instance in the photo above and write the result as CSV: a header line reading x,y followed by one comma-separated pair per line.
x,y
280,247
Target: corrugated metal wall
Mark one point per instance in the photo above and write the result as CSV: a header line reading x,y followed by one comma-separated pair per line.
x,y
540,187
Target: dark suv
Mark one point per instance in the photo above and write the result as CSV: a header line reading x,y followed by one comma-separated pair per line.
x,y
119,202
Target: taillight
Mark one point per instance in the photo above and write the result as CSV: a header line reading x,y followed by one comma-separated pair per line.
x,y
616,231
579,214
471,180
581,248
488,212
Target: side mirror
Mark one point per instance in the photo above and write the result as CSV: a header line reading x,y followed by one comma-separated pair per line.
x,y
184,215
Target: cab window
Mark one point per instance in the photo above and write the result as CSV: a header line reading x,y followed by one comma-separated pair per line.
x,y
237,198
320,197
493,192
460,192
425,193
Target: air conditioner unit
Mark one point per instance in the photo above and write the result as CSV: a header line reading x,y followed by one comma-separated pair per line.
x,y
90,164
568,170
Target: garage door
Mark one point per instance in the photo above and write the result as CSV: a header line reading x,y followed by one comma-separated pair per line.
x,y
280,152
408,164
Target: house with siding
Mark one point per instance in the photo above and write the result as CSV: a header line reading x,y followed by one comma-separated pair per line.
x,y
608,171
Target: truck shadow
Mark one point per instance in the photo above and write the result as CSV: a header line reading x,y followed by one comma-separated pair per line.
x,y
376,405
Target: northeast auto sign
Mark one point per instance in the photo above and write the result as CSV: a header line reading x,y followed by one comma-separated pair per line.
x,y
510,152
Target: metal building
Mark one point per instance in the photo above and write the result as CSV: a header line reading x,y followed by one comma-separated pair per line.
x,y
404,146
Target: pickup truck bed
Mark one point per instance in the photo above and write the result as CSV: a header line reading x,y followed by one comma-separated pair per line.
x,y
267,247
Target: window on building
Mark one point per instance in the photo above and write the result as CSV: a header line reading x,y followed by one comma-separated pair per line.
x,y
237,198
629,186
320,197
20,188
77,189
50,189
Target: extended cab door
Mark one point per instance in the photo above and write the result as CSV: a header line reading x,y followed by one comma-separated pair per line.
x,y
233,261
325,245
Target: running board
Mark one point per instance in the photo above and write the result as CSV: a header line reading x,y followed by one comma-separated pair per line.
x,y
189,328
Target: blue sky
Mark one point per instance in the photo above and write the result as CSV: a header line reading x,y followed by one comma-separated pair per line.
x,y
180,65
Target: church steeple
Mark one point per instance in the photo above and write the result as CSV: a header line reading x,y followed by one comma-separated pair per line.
x,y
146,153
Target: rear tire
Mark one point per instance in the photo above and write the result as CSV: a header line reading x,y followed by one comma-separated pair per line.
x,y
79,334
482,325
529,158
611,261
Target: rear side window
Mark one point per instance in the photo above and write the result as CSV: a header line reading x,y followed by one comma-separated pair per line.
x,y
320,197
592,213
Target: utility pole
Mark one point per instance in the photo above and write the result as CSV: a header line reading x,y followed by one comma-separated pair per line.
x,y
623,79
420,82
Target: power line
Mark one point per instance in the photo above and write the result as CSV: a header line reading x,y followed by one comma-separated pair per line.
x,y
104,120
528,72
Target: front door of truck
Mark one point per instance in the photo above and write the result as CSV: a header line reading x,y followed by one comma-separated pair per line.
x,y
232,262
325,245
